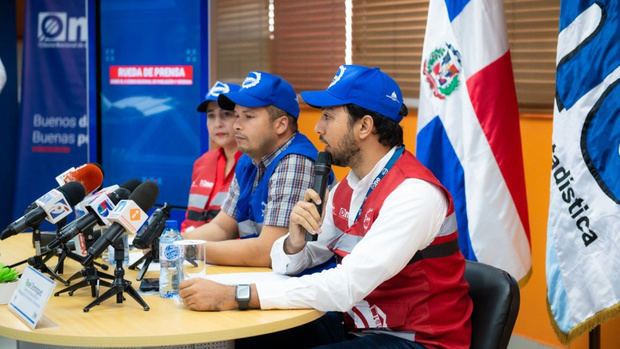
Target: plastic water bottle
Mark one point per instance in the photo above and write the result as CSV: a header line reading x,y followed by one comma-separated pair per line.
x,y
170,260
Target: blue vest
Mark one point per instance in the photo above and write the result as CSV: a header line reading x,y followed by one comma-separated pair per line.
x,y
251,204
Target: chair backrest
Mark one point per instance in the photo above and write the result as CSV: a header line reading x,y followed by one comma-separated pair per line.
x,y
496,299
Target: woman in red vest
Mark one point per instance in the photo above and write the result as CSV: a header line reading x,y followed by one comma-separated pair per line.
x,y
214,170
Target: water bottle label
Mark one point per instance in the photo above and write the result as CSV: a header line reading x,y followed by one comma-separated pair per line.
x,y
171,252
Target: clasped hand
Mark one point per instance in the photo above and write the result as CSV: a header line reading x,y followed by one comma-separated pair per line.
x,y
304,217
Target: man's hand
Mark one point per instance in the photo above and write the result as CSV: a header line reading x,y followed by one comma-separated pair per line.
x,y
206,295
304,217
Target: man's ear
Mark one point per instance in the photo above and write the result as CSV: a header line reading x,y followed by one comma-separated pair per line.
x,y
365,126
280,124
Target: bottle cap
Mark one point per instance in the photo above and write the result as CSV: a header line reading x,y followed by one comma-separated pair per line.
x,y
172,223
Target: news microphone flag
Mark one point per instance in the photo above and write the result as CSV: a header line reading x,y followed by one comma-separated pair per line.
x,y
468,130
583,240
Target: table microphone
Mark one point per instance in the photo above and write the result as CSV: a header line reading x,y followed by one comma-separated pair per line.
x,y
53,206
128,215
322,170
89,175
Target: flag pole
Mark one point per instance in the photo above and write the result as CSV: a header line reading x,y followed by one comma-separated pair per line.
x,y
594,338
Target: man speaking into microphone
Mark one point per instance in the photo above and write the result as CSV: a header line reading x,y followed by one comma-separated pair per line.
x,y
390,223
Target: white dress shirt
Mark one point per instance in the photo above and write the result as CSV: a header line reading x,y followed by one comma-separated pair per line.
x,y
408,221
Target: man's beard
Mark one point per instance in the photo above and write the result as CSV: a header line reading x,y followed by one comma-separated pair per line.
x,y
347,151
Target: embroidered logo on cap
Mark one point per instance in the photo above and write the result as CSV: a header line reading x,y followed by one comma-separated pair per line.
x,y
393,97
251,81
218,89
338,76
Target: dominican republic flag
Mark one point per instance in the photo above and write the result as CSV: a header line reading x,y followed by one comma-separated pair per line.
x,y
583,231
468,130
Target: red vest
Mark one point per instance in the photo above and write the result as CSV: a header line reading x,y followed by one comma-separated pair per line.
x,y
428,299
209,188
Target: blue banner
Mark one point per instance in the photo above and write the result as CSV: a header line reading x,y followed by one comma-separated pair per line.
x,y
8,105
54,117
153,76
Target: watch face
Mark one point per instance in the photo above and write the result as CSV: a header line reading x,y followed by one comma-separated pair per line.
x,y
243,291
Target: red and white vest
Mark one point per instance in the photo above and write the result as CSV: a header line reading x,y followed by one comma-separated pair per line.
x,y
427,301
209,188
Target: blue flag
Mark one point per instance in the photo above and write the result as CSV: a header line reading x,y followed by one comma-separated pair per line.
x,y
583,232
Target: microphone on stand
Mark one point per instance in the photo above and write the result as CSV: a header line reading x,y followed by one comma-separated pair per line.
x,y
53,206
98,209
89,175
128,216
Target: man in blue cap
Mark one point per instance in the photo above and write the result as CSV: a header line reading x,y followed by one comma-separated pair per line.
x,y
391,224
214,170
270,177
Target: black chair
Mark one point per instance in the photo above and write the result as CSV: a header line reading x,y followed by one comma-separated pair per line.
x,y
495,295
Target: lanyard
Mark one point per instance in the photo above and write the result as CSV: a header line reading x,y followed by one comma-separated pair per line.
x,y
397,153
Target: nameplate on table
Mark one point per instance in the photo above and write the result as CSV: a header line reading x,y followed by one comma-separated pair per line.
x,y
31,296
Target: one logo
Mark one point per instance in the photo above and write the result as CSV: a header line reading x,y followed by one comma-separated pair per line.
x,y
60,208
46,198
442,70
393,97
121,205
102,209
367,218
171,252
56,29
343,213
134,214
378,316
205,183
338,76
251,81
263,206
218,89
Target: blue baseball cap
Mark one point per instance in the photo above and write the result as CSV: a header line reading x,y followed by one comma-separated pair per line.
x,y
217,89
262,89
369,88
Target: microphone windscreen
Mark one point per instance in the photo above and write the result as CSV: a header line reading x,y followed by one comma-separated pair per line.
x,y
119,194
89,175
73,191
131,184
145,195
99,166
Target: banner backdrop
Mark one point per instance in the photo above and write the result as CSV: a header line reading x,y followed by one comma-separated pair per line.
x,y
468,130
54,120
583,230
153,68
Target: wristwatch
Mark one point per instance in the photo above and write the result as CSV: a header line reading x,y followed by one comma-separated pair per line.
x,y
242,296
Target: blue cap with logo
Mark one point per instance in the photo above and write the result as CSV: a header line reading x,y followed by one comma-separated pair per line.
x,y
217,89
366,87
262,89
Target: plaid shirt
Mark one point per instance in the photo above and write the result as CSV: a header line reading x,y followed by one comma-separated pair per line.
x,y
287,185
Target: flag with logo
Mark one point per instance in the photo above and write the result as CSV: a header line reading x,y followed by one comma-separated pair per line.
x,y
468,130
583,230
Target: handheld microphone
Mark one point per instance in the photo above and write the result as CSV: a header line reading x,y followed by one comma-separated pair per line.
x,y
89,175
153,227
322,170
53,206
128,215
98,209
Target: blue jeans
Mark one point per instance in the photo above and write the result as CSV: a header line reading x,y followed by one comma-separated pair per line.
x,y
326,332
